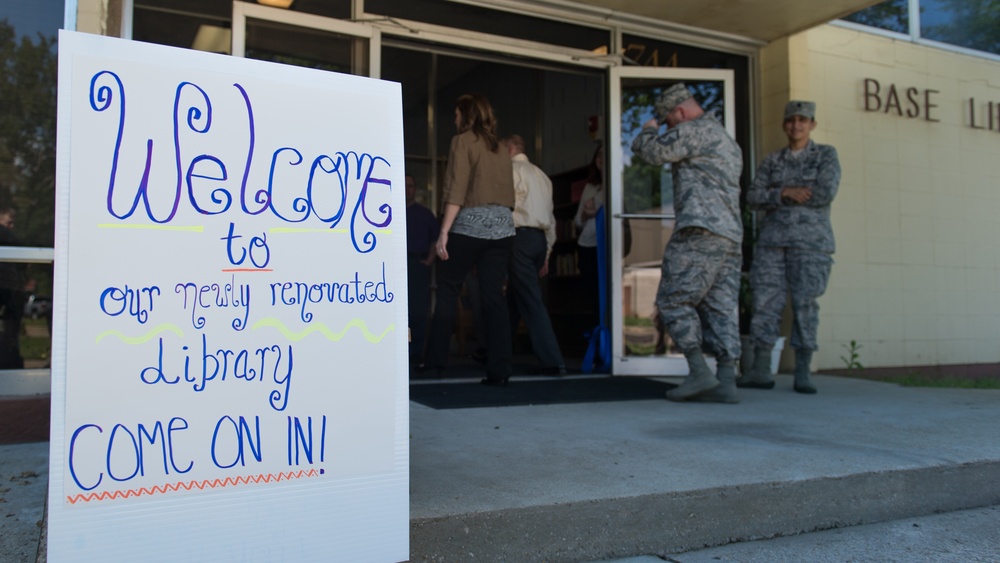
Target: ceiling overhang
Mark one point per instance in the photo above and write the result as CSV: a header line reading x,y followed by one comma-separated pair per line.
x,y
761,20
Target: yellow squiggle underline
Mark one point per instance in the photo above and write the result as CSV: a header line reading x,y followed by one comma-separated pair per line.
x,y
196,228
144,337
322,328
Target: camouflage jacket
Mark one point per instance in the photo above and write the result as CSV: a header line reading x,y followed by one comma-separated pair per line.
x,y
786,223
706,171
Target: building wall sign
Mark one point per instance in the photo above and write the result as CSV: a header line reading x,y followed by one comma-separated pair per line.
x,y
909,102
920,103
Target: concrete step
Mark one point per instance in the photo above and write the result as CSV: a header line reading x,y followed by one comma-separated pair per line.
x,y
610,480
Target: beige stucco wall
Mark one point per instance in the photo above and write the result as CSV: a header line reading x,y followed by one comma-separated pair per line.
x,y
917,217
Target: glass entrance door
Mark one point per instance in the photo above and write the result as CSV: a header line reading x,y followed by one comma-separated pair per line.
x,y
642,214
295,38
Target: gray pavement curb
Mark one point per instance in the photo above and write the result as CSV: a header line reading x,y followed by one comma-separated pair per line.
x,y
675,522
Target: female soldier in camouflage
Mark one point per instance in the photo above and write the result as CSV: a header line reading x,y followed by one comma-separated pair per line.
x,y
794,188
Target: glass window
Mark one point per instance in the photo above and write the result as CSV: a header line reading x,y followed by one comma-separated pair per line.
x,y
28,30
28,121
205,24
340,9
310,48
224,8
651,52
204,31
893,15
495,22
974,24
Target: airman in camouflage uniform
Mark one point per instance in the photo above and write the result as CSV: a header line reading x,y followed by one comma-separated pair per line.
x,y
794,188
701,263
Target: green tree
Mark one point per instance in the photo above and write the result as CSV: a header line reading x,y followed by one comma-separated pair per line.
x,y
892,15
968,23
28,133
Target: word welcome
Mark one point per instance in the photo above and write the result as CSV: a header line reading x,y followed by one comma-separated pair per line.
x,y
335,181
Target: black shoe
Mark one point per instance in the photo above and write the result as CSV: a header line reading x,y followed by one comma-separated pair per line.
x,y
551,370
804,388
494,382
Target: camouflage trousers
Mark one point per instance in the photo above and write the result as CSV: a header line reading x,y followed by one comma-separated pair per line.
x,y
781,271
699,287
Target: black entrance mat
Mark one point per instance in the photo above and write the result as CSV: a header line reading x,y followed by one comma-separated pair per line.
x,y
538,392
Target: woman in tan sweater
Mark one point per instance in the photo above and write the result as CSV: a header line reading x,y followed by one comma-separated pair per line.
x,y
477,229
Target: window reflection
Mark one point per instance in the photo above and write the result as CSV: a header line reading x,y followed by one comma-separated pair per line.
x,y
28,134
966,23
972,24
891,16
496,22
28,31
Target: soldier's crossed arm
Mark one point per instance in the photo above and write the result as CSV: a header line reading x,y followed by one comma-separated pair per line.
x,y
827,180
764,193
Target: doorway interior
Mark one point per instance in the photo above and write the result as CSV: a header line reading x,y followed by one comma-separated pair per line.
x,y
558,112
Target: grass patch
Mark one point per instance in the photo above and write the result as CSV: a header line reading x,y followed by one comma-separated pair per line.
x,y
638,321
641,349
916,380
34,346
966,383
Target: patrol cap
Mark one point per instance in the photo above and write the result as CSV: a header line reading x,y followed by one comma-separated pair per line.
x,y
798,107
669,99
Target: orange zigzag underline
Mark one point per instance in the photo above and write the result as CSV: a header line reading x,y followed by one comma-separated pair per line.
x,y
189,485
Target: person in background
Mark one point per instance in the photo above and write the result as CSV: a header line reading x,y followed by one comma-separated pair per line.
x,y
421,232
794,187
12,297
591,200
477,229
700,278
535,227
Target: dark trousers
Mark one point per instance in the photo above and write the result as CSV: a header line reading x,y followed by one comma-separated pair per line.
x,y
525,295
11,311
490,257
419,298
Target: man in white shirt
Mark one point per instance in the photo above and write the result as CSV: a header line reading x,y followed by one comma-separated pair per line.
x,y
536,233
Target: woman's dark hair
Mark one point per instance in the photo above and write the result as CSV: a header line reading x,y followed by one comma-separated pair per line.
x,y
477,116
595,175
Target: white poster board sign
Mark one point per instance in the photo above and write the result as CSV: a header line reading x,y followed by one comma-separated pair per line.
x,y
229,362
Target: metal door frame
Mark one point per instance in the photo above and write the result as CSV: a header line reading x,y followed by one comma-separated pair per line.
x,y
243,10
638,365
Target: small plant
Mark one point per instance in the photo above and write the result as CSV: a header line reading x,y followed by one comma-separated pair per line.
x,y
852,357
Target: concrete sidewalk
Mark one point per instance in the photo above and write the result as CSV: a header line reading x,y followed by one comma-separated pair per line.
x,y
590,482
600,481
24,471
